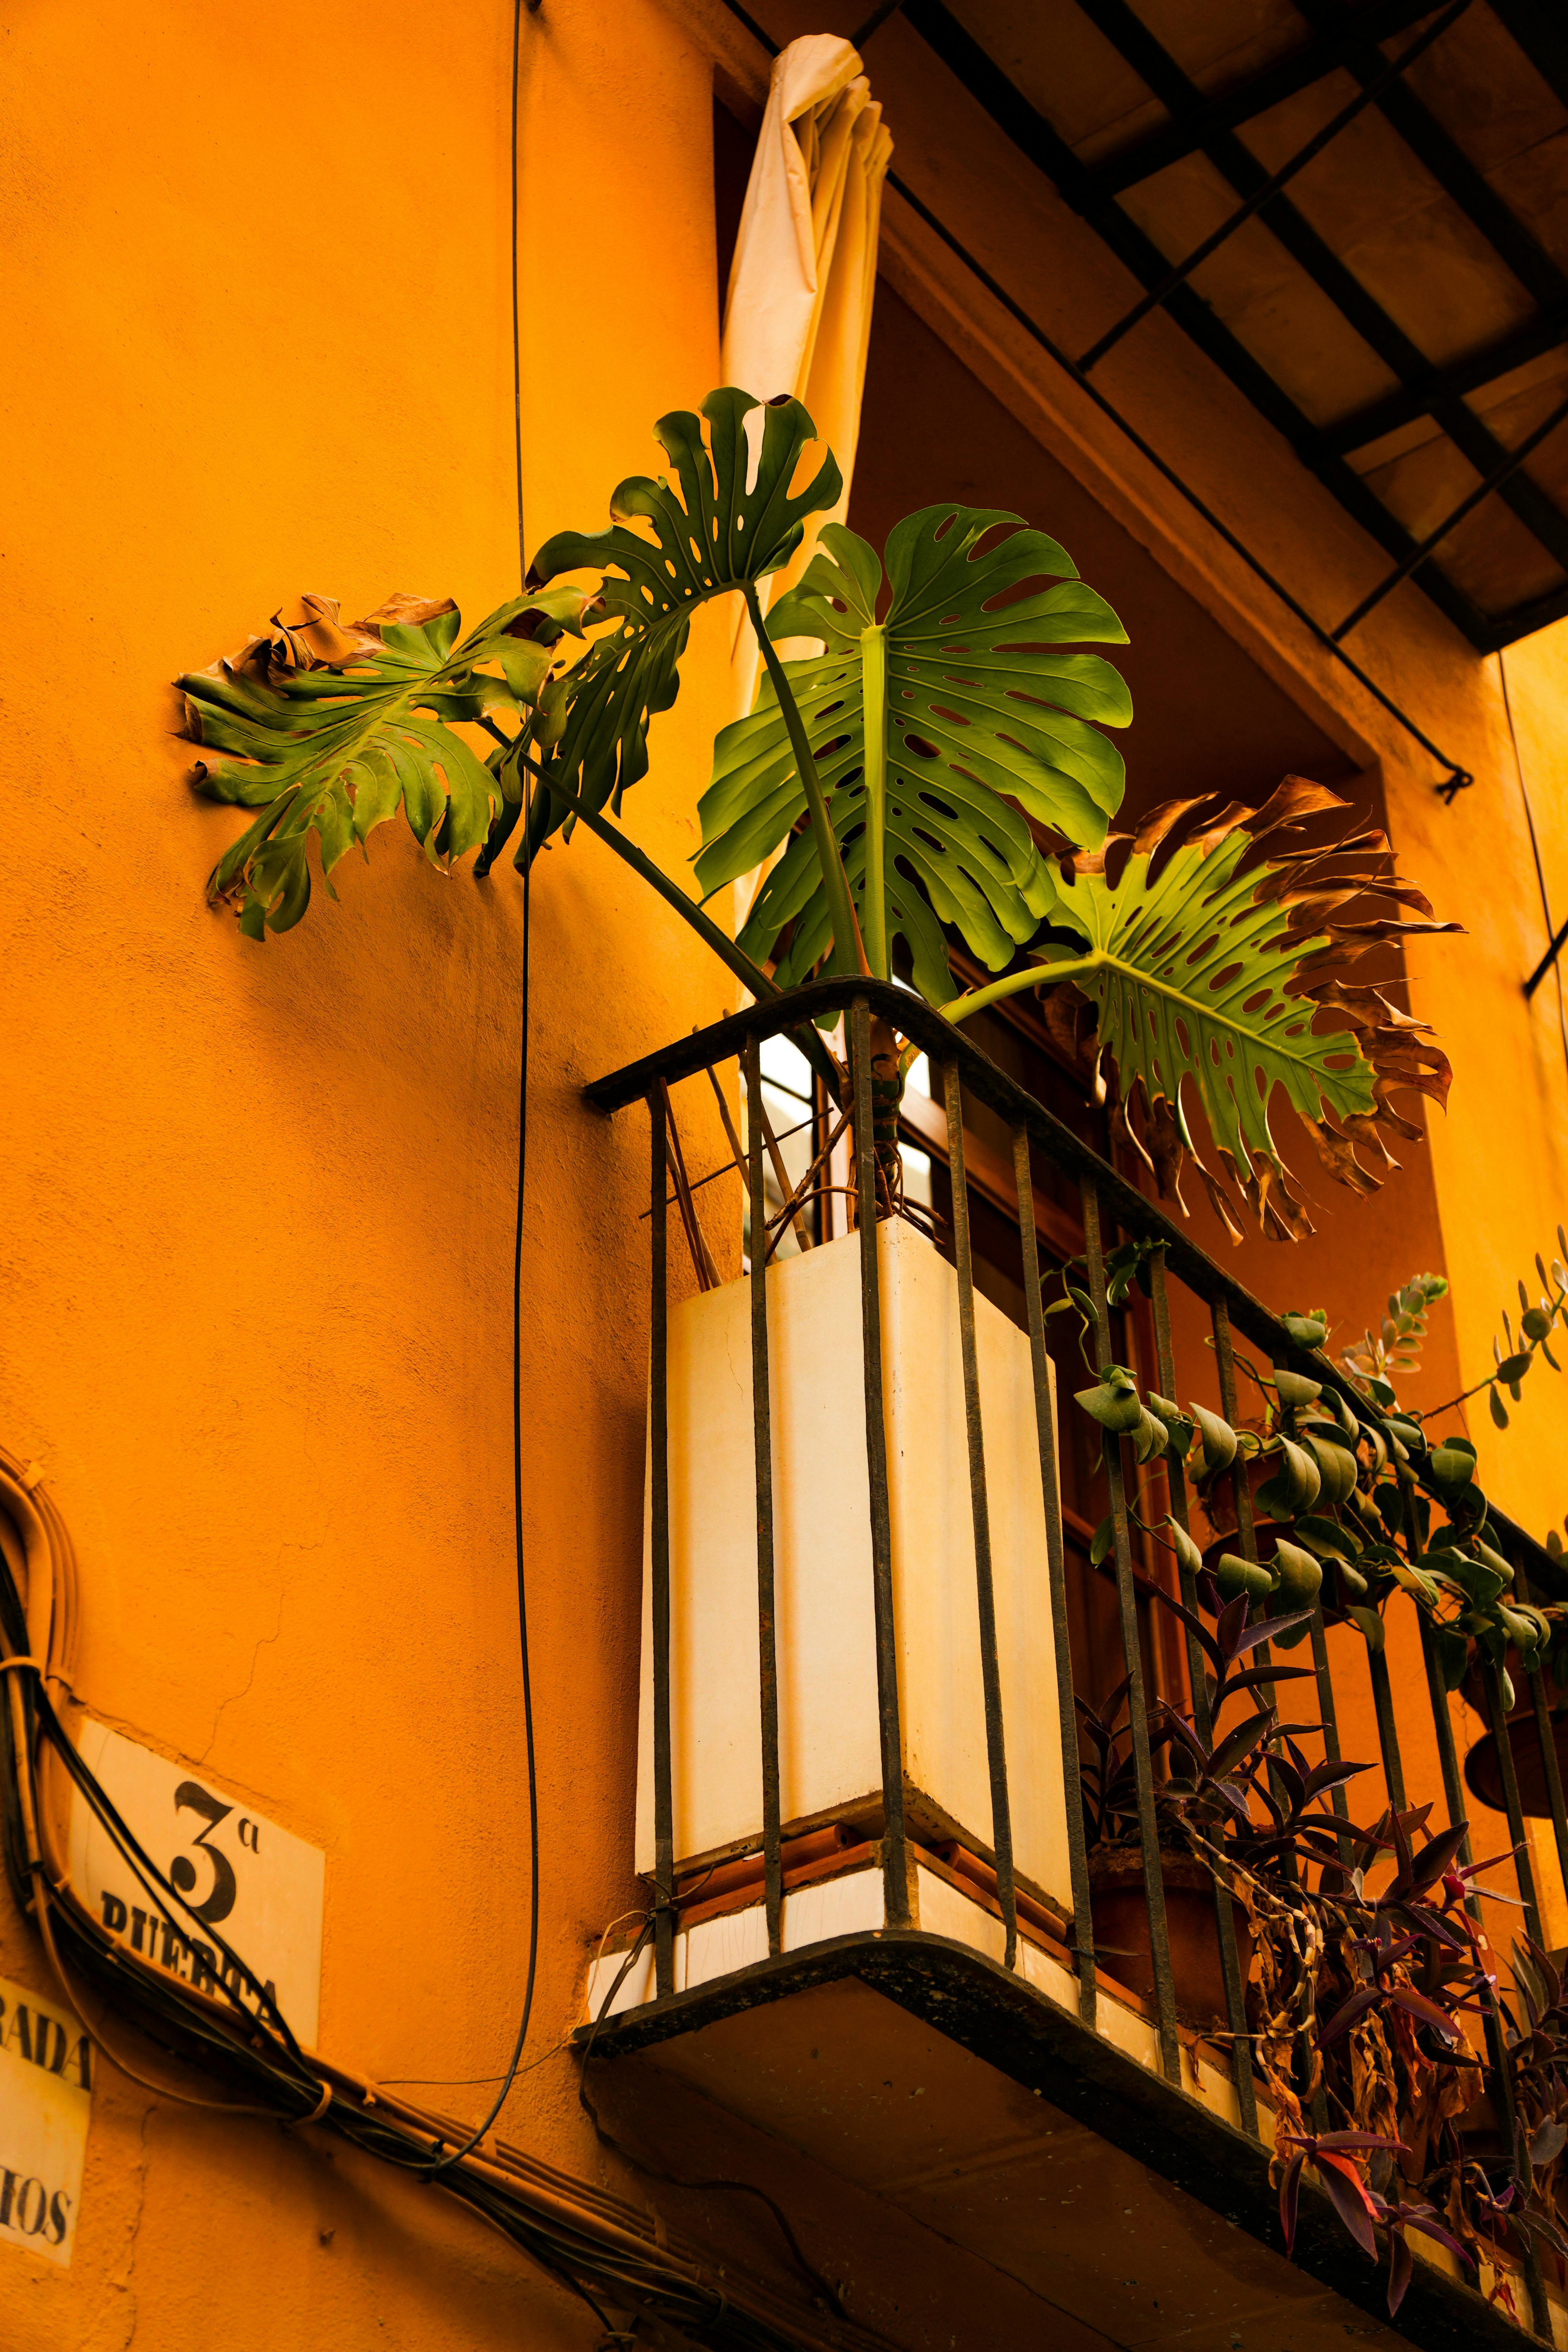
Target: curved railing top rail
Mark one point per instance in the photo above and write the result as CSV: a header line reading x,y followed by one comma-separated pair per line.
x,y
775,1015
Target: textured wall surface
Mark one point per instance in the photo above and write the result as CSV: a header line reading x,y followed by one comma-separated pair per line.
x,y
258,1202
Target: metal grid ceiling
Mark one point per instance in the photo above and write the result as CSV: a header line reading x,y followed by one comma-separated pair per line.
x,y
1395,302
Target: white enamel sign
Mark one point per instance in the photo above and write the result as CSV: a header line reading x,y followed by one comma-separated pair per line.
x,y
256,1884
46,2094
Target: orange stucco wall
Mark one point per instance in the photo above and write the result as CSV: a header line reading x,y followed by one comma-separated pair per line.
x,y
260,1202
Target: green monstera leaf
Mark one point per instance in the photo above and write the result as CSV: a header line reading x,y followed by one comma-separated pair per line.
x,y
731,518
1205,967
939,730
331,730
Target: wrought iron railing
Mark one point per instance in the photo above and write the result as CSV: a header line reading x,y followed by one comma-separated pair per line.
x,y
1109,1205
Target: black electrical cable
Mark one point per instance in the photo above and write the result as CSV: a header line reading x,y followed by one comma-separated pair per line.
x,y
826,2294
1457,778
177,2025
509,2077
1552,932
277,2071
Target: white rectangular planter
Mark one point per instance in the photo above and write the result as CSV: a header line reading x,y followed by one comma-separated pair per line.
x,y
829,1758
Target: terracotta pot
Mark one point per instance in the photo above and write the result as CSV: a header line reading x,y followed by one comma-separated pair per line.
x,y
1483,1774
1480,2133
1121,1916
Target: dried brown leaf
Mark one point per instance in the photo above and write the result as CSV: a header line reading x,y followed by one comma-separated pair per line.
x,y
1328,894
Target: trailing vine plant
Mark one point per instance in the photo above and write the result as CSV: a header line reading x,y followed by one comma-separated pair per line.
x,y
1392,1352
1372,1980
1376,1359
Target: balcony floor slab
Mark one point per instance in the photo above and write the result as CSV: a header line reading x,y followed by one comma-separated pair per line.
x,y
921,2070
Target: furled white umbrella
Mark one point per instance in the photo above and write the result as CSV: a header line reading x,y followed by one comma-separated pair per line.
x,y
798,314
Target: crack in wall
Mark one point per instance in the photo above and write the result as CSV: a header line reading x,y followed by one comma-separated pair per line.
x,y
122,2279
264,1641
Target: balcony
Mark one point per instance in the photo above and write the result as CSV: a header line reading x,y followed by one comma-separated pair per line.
x,y
875,1809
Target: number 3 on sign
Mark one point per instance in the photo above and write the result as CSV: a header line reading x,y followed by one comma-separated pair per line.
x,y
261,1893
191,1795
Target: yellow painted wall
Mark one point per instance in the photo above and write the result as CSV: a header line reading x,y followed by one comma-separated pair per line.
x,y
260,1200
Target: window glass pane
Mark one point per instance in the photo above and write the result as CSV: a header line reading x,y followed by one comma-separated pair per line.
x,y
917,1174
786,1065
790,1119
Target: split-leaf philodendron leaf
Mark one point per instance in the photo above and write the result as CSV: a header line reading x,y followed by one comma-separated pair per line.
x,y
717,528
332,729
1207,971
943,747
939,730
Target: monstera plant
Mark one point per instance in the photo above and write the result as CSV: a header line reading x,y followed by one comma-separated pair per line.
x,y
937,769
939,730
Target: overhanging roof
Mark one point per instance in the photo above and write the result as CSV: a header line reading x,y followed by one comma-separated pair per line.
x,y
1398,308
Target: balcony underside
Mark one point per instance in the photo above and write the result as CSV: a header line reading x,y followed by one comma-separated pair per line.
x,y
925,2071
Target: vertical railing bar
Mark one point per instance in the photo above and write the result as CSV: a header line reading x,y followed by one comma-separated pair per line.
x,y
1224,1359
1133,1655
1545,1734
1246,1529
1491,1682
781,1175
1056,1566
763,1446
1241,1492
1387,1730
1378,1675
1317,2100
1383,1707
1327,1710
1498,2080
1447,1757
980,1513
827,1106
1176,1480
1202,1718
658,1508
702,1264
895,1862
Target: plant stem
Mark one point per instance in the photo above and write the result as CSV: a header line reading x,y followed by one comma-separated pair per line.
x,y
835,881
874,737
735,958
1045,976
1436,1411
1039,975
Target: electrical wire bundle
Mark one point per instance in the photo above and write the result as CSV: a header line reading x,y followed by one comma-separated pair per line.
x,y
579,2239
